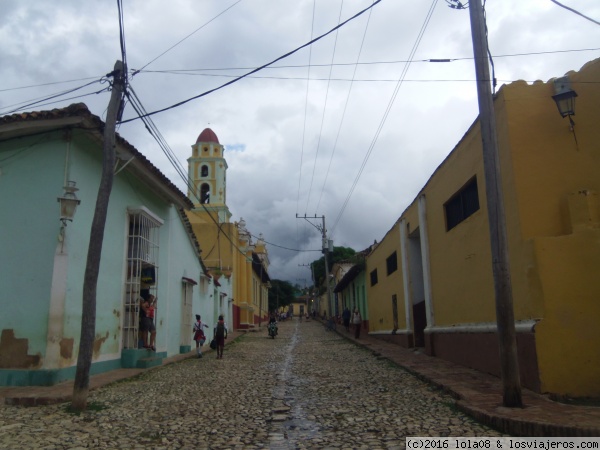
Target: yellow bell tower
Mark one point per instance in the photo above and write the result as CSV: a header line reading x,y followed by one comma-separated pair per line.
x,y
207,172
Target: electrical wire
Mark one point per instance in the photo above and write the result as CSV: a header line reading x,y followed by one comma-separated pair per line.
x,y
324,110
285,248
40,100
487,46
575,11
258,68
49,84
386,113
366,63
344,110
135,72
163,144
123,75
312,28
305,110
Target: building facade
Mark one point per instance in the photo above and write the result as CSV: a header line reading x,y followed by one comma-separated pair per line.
x,y
441,294
149,248
231,254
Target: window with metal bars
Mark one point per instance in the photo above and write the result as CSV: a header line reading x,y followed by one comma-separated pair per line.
x,y
142,269
462,204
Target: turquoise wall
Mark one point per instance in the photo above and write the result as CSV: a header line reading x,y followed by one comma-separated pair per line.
x,y
33,169
31,180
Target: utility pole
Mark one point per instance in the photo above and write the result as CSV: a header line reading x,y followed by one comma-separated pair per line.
x,y
90,280
325,250
307,292
505,320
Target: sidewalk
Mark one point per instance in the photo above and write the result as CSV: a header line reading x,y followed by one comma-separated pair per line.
x,y
480,395
62,392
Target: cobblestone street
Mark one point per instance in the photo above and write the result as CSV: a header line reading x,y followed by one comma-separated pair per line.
x,y
307,388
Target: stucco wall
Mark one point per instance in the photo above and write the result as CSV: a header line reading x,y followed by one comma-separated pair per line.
x,y
381,317
32,179
549,183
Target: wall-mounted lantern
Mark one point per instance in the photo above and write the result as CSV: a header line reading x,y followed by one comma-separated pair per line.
x,y
68,203
565,98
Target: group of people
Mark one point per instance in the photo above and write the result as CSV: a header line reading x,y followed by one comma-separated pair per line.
x,y
147,328
219,335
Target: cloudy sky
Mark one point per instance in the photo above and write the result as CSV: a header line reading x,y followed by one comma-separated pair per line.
x,y
345,128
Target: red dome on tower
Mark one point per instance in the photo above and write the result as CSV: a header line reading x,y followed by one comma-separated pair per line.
x,y
207,135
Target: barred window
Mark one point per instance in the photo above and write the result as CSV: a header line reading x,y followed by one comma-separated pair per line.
x,y
462,204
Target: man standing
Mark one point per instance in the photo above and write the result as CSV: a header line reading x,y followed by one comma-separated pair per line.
x,y
346,317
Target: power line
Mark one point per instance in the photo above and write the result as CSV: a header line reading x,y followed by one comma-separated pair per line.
x,y
258,68
344,111
367,63
163,144
40,100
386,113
305,111
135,72
187,71
286,248
324,110
576,12
48,84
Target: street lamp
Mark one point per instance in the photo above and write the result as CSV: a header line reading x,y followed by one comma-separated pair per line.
x,y
68,203
565,98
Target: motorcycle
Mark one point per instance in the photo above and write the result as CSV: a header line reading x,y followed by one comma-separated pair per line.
x,y
272,329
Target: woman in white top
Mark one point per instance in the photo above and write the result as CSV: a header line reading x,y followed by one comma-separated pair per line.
x,y
357,321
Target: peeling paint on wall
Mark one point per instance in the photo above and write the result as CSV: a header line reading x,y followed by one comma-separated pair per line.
x,y
98,344
66,348
13,352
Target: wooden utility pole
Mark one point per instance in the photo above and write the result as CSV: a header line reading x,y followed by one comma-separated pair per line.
x,y
509,365
90,280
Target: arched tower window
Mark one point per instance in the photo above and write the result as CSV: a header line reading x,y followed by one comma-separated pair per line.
x,y
204,171
205,193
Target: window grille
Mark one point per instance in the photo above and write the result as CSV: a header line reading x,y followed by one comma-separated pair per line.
x,y
142,270
462,204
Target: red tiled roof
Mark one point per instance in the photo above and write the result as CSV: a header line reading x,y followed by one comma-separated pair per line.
x,y
96,124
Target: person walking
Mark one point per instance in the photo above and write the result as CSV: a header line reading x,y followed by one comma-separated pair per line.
x,y
357,321
220,334
346,318
199,336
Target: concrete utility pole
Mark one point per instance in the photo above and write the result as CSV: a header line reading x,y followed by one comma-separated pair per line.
x,y
509,365
325,250
90,280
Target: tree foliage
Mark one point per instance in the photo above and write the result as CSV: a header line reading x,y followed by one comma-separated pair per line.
x,y
338,254
282,293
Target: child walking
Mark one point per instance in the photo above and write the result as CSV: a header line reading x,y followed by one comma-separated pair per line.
x,y
199,336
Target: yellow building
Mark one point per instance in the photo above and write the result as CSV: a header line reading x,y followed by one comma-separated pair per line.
x,y
239,265
430,280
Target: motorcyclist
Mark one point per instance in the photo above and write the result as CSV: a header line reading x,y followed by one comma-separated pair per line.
x,y
273,322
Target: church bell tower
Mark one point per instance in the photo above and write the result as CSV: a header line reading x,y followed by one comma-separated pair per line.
x,y
207,171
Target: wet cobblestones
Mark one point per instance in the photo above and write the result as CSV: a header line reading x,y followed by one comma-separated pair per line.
x,y
304,389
